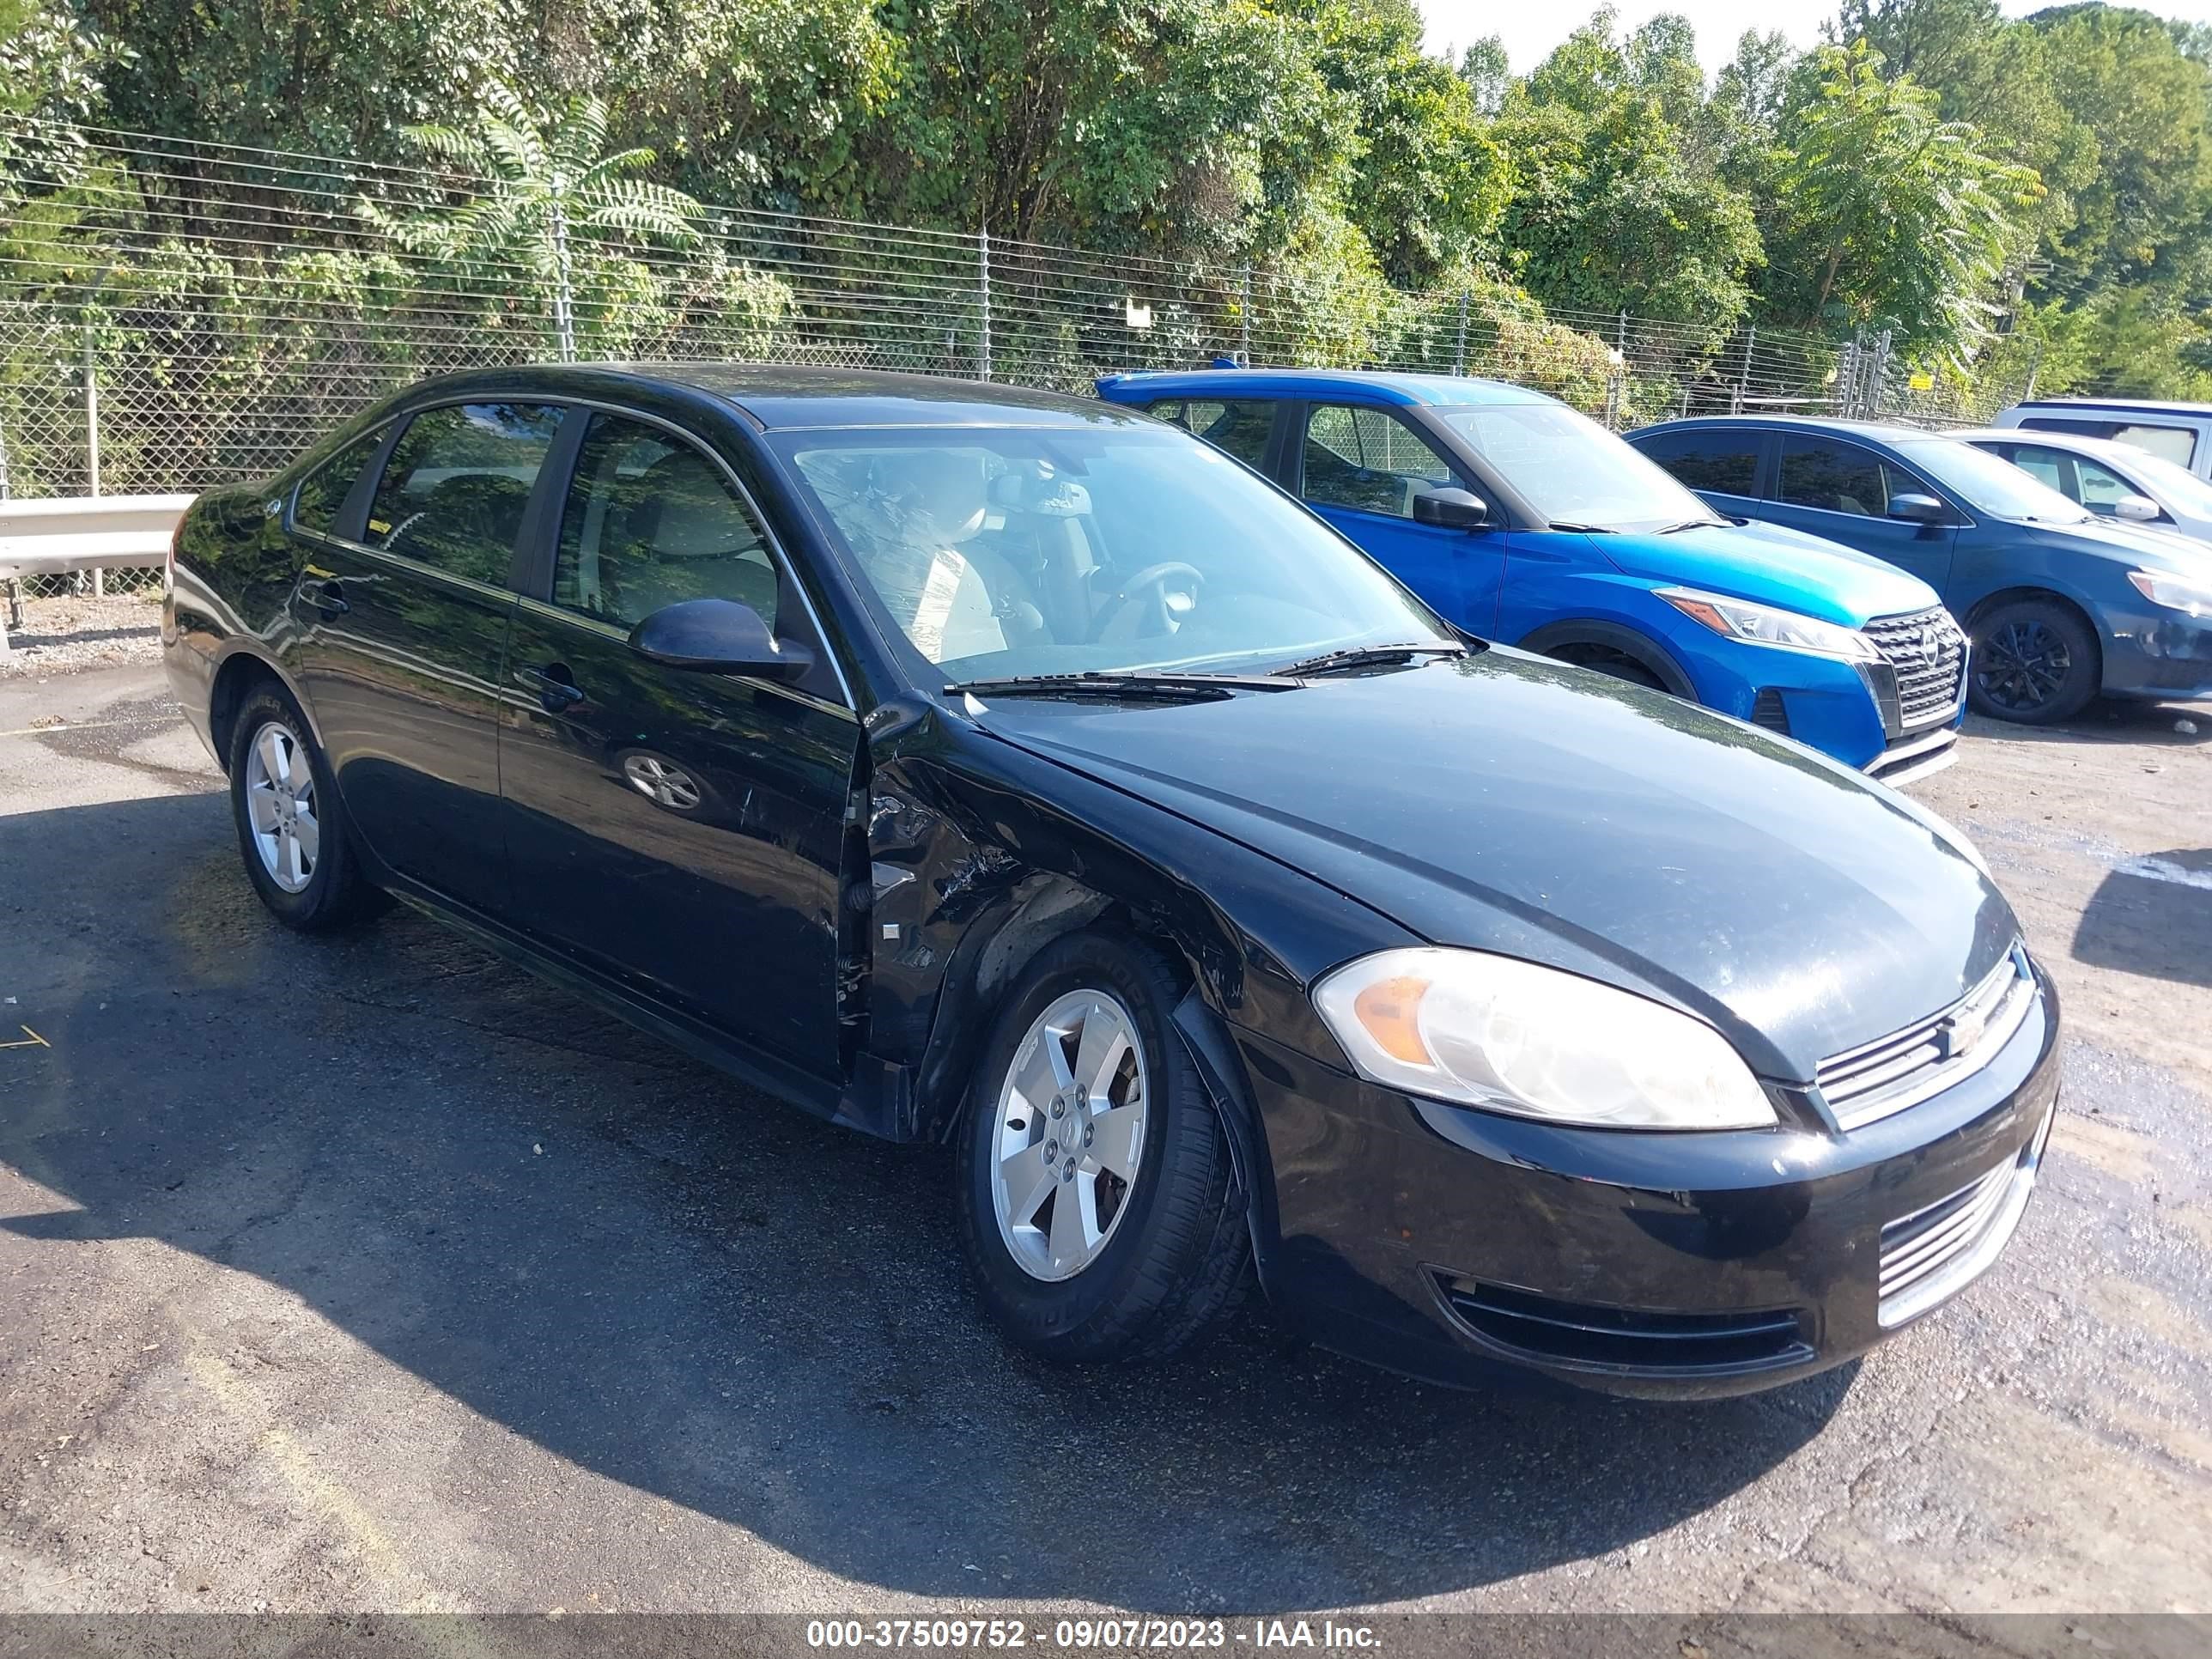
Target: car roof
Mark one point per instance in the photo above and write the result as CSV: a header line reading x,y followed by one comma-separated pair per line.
x,y
2074,440
1880,431
781,396
1383,386
2147,405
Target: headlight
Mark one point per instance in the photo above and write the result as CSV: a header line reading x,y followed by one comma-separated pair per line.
x,y
1509,1036
1762,624
2175,592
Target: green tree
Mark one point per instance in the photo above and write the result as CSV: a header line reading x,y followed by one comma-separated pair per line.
x,y
1616,205
1427,183
1885,212
2141,213
542,182
1487,72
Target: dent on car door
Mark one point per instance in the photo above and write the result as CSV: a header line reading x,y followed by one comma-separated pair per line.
x,y
402,613
679,829
1361,468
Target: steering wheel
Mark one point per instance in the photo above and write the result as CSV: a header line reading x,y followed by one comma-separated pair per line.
x,y
1152,580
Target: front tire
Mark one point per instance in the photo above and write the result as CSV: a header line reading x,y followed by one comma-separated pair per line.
x,y
1098,1204
1609,660
291,830
2035,662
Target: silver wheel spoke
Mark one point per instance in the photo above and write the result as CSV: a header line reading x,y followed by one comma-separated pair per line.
x,y
261,808
1050,1041
1074,1223
1033,1083
1115,1139
1027,1181
1098,1055
308,835
271,747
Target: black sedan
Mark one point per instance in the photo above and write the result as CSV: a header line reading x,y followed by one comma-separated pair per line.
x,y
987,767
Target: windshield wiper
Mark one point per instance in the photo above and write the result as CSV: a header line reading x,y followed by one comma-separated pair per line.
x,y
1691,524
1363,656
1094,683
1582,529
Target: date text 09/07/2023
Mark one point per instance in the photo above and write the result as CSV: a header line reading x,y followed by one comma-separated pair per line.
x,y
1089,1635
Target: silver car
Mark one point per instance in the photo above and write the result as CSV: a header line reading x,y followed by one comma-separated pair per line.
x,y
2112,478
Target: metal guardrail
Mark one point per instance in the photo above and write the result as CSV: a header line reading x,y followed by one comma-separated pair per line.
x,y
59,535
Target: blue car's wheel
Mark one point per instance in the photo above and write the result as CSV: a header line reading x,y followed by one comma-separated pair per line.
x,y
2035,662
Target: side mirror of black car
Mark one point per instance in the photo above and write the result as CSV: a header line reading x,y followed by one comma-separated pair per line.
x,y
718,636
1921,509
1452,509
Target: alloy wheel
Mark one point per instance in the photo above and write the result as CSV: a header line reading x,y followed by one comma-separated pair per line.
x,y
1071,1133
2022,665
280,803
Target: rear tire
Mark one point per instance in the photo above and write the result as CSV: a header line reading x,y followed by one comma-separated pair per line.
x,y
291,828
1144,1245
2035,662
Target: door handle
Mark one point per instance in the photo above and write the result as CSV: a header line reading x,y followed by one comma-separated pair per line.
x,y
556,686
329,598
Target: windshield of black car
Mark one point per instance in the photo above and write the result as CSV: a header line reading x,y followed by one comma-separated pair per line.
x,y
1988,483
1568,467
1003,551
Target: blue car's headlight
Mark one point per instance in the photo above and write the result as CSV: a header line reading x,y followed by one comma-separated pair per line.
x,y
1510,1037
1763,624
2175,592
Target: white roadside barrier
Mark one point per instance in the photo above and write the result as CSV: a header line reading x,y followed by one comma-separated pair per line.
x,y
53,536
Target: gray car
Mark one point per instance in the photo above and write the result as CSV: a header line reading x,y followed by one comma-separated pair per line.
x,y
2112,478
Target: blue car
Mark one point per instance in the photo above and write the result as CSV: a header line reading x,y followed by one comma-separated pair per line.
x,y
2061,603
1522,521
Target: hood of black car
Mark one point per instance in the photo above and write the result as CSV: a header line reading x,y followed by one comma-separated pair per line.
x,y
1504,803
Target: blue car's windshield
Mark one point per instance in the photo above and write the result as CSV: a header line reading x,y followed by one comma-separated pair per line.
x,y
1570,469
1006,551
1989,484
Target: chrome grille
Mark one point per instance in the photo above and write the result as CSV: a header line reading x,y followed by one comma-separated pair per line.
x,y
1933,1253
1866,1084
1929,655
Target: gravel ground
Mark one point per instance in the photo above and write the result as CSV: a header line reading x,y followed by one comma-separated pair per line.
x,y
368,1273
76,631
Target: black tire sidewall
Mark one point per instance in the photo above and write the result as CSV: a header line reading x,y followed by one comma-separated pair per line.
x,y
319,901
2083,652
1068,1313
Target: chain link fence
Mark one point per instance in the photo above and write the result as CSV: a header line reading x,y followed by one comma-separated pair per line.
x,y
176,314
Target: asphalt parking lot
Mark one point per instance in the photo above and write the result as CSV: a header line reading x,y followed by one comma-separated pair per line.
x,y
371,1273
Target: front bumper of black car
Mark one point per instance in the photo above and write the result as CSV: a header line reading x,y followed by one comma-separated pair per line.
x,y
1464,1247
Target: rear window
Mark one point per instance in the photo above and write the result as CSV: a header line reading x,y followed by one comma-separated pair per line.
x,y
2177,444
1723,463
452,494
1240,428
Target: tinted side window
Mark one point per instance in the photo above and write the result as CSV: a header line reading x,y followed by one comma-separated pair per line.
x,y
323,491
1838,477
1240,428
451,495
1726,462
650,522
1366,460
